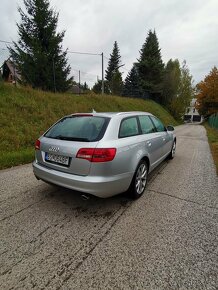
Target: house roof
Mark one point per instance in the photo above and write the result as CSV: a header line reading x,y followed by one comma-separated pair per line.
x,y
13,69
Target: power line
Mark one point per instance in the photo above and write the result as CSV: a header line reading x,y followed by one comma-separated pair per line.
x,y
87,53
3,41
77,52
83,72
122,66
125,68
106,57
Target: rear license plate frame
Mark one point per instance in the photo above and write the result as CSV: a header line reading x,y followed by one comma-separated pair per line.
x,y
57,159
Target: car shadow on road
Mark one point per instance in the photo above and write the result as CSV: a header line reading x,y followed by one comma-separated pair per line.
x,y
89,205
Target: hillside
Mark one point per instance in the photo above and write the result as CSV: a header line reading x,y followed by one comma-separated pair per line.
x,y
26,113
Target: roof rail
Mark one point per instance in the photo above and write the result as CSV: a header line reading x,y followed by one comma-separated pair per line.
x,y
131,112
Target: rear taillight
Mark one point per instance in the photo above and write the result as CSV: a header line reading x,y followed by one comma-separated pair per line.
x,y
37,145
97,154
103,154
85,153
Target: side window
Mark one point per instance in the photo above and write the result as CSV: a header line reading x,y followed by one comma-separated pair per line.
x,y
146,125
129,127
158,124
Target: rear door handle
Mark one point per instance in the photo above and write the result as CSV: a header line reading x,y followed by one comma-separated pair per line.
x,y
148,143
164,139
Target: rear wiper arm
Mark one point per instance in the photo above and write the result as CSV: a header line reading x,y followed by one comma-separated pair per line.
x,y
71,138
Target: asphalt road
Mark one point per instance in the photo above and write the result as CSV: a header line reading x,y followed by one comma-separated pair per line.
x,y
50,238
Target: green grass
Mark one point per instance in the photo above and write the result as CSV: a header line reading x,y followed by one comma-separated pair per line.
x,y
212,135
22,156
26,113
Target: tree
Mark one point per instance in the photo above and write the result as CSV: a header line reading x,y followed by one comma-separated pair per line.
x,y
84,87
116,84
113,75
150,65
131,85
1,79
38,52
171,81
207,96
185,93
97,88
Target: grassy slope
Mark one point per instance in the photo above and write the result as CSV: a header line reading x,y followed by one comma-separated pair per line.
x,y
212,135
26,113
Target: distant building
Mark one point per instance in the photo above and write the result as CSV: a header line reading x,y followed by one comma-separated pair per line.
x,y
10,72
75,89
192,114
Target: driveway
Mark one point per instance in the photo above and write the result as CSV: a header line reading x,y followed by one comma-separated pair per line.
x,y
50,238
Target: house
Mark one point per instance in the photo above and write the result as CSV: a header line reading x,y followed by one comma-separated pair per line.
x,y
75,89
10,72
192,114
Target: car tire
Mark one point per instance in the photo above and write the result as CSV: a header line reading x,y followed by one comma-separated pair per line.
x,y
173,150
139,180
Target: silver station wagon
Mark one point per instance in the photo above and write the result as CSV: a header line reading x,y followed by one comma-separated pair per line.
x,y
103,154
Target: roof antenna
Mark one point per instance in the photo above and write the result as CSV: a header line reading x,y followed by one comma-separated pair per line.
x,y
93,111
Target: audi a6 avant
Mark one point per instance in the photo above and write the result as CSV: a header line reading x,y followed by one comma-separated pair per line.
x,y
103,153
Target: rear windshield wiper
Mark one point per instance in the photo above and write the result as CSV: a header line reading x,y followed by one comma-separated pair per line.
x,y
60,137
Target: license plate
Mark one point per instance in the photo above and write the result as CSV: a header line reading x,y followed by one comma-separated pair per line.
x,y
57,159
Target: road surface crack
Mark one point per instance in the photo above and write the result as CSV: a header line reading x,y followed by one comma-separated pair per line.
x,y
183,199
66,272
27,207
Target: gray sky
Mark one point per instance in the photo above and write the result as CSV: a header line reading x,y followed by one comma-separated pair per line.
x,y
186,29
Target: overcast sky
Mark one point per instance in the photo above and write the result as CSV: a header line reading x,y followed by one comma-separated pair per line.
x,y
186,29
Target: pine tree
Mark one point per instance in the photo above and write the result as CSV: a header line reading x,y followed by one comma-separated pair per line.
x,y
150,66
131,84
85,87
97,88
113,75
38,52
116,84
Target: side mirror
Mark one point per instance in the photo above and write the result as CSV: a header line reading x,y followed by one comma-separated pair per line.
x,y
170,128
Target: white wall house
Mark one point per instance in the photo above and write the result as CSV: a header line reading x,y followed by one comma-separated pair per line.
x,y
191,114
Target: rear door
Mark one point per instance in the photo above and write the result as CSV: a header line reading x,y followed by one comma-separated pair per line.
x,y
152,139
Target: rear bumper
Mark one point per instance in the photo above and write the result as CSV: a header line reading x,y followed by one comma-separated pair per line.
x,y
95,185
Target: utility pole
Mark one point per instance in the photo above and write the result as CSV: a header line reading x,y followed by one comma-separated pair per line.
x,y
102,64
102,85
54,80
15,81
79,82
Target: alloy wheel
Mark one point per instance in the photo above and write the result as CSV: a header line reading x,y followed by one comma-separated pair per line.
x,y
141,179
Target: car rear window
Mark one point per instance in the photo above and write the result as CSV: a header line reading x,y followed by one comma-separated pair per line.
x,y
79,128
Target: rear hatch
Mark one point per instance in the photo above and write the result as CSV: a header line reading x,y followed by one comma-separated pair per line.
x,y
58,147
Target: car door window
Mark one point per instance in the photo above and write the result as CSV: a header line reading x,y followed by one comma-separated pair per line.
x,y
129,127
158,124
146,125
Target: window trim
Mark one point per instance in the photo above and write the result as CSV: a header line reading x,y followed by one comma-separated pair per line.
x,y
151,122
100,135
139,127
155,126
